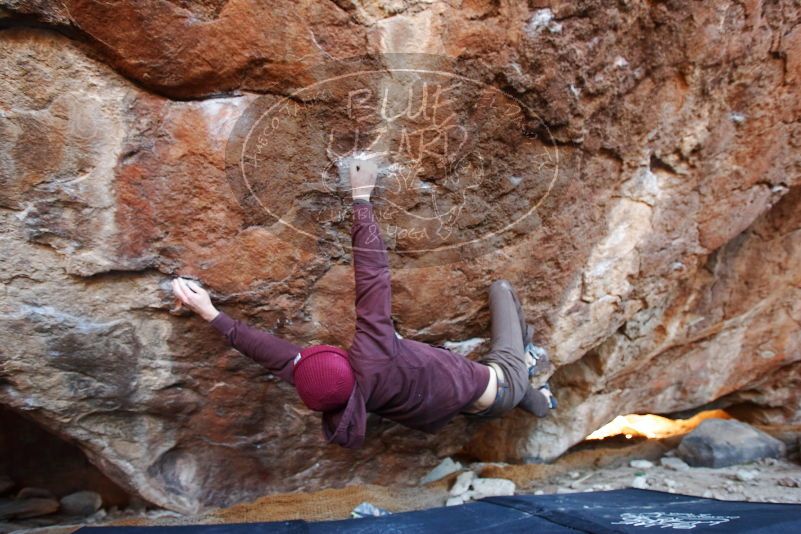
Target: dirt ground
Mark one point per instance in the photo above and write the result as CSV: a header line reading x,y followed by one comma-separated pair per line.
x,y
591,467
607,468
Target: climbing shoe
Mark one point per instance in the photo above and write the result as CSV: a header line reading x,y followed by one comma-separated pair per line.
x,y
536,360
545,389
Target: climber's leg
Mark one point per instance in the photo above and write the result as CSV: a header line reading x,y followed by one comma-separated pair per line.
x,y
526,330
506,354
536,359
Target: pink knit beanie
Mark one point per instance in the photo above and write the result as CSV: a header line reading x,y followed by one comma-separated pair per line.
x,y
323,377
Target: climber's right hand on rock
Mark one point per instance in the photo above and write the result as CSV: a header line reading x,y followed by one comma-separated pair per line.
x,y
363,175
194,297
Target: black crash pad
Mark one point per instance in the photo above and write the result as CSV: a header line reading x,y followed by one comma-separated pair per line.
x,y
600,512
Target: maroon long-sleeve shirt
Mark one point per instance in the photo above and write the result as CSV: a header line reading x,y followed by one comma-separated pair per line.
x,y
418,385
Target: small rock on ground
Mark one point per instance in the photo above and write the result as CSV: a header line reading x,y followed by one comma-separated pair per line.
x,y
454,501
492,487
445,468
462,484
30,493
674,463
367,509
11,527
27,508
641,464
745,475
81,503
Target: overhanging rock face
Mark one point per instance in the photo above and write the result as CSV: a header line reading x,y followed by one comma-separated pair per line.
x,y
653,182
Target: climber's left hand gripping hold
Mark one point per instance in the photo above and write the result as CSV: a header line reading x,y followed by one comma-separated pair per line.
x,y
194,297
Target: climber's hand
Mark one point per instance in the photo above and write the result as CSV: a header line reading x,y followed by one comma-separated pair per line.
x,y
194,297
363,174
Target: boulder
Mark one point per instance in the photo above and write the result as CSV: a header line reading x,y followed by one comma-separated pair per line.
x,y
725,442
637,182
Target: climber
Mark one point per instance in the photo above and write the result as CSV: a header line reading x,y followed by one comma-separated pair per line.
x,y
418,385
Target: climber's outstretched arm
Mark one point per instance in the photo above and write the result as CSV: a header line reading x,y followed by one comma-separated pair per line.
x,y
375,332
266,349
271,351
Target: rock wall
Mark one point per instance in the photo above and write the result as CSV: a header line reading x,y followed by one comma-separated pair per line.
x,y
660,264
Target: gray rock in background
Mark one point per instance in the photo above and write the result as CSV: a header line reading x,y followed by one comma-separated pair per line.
x,y
81,503
721,443
27,508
